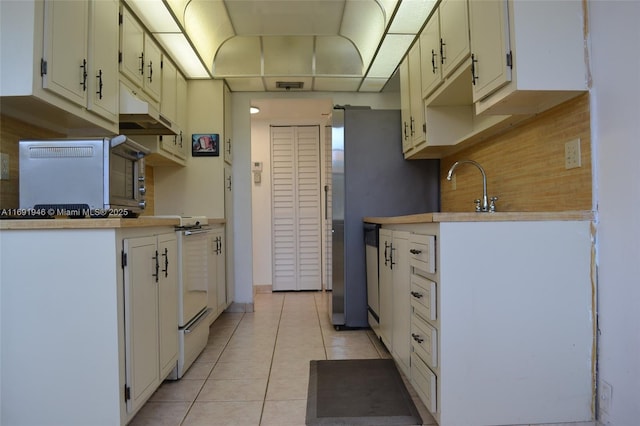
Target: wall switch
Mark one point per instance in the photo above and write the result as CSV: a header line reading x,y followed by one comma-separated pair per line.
x,y
4,166
605,393
572,154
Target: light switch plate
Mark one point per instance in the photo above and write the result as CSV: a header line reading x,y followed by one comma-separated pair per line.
x,y
4,166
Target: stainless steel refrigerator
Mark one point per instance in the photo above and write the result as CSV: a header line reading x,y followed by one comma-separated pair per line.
x,y
370,177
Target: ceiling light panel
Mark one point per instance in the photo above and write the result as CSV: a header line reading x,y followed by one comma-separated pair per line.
x,y
185,58
363,23
239,56
391,52
411,16
373,84
245,84
336,84
288,55
285,17
155,16
208,26
338,56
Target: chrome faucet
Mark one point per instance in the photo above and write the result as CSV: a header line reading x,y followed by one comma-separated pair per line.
x,y
481,205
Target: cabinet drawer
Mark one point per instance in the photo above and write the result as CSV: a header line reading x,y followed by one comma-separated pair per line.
x,y
422,252
424,382
424,339
423,297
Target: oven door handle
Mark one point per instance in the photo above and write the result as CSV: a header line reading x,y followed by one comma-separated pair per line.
x,y
195,232
197,321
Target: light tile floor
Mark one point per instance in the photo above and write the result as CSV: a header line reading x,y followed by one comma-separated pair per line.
x,y
255,368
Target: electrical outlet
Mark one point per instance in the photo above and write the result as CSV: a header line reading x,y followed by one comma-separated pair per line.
x,y
606,392
4,166
572,154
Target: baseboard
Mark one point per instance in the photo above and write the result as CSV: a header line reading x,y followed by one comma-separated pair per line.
x,y
240,307
267,288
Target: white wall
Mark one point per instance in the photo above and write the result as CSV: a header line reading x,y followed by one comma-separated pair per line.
x,y
243,178
615,103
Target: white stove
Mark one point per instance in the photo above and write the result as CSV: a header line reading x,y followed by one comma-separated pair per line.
x,y
193,326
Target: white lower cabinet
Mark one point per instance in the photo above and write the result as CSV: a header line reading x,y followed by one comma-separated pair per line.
x,y
217,291
500,318
394,284
150,314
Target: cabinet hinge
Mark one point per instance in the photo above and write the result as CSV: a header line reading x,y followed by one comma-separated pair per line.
x,y
119,57
127,393
124,259
509,60
424,128
120,18
43,67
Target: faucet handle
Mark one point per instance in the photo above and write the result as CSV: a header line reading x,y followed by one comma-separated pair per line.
x,y
492,205
478,208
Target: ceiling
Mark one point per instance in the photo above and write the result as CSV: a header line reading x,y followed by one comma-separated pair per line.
x,y
296,45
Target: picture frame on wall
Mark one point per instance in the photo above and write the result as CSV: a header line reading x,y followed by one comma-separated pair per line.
x,y
205,145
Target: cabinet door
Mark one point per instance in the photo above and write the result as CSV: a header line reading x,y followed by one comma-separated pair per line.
x,y
454,34
223,297
212,275
169,103
141,319
417,106
228,242
489,46
132,48
103,54
168,302
430,55
152,68
228,135
66,38
386,287
401,300
405,106
181,115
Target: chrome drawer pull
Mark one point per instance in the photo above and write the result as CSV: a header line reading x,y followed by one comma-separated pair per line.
x,y
417,338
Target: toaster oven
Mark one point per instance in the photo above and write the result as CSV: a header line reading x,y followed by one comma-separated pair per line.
x,y
82,177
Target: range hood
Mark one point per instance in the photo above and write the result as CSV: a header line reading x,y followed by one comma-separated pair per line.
x,y
138,117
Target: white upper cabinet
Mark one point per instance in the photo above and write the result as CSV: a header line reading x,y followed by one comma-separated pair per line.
x,y
103,54
66,38
169,103
430,55
405,106
528,56
60,58
454,34
444,43
417,129
141,56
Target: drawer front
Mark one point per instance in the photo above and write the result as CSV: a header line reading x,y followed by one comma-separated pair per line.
x,y
423,297
424,339
422,249
424,382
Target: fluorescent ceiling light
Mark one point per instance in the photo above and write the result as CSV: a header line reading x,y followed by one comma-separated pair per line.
x,y
155,15
183,54
411,16
391,52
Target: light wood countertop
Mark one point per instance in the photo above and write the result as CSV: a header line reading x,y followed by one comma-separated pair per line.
x,y
94,223
481,217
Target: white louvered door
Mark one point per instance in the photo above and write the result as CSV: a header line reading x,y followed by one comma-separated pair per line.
x,y
296,216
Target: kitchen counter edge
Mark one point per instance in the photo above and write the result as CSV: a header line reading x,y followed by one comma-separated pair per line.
x,y
90,223
481,217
